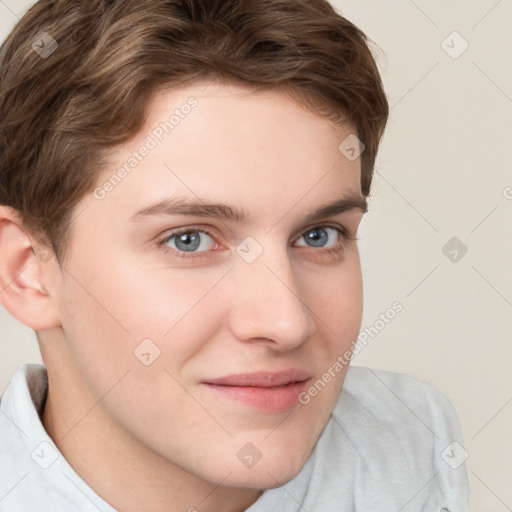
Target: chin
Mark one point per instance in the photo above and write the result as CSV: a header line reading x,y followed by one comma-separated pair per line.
x,y
274,472
260,479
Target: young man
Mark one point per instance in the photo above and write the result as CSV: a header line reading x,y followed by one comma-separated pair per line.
x,y
181,185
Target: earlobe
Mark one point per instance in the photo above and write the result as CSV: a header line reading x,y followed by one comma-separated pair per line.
x,y
22,291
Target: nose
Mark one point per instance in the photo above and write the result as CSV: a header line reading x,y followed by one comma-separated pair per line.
x,y
269,305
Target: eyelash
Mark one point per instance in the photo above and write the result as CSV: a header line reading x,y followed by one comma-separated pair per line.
x,y
338,248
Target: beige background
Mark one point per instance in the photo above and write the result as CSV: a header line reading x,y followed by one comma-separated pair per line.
x,y
444,171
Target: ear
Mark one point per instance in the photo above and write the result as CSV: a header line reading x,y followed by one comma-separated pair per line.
x,y
22,291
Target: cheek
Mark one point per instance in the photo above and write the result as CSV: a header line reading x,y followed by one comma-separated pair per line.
x,y
336,297
112,309
338,304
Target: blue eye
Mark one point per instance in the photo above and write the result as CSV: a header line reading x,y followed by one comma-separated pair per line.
x,y
319,236
189,240
197,242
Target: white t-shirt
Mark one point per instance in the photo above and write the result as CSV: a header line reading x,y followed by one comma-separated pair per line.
x,y
393,443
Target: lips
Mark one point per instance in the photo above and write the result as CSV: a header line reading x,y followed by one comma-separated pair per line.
x,y
262,379
265,391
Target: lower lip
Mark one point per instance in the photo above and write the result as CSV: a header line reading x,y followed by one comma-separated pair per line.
x,y
276,399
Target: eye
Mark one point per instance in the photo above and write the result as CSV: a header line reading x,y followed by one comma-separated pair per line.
x,y
196,242
320,236
188,240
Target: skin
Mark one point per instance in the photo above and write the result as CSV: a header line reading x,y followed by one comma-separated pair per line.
x,y
154,430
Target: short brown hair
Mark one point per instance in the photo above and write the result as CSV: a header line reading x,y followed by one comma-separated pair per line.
x,y
60,113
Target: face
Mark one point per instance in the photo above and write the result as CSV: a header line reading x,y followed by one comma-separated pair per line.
x,y
203,329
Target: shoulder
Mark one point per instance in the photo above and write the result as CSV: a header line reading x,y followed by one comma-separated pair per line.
x,y
390,393
35,475
399,406
404,434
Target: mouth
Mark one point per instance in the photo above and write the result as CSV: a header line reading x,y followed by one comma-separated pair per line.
x,y
265,391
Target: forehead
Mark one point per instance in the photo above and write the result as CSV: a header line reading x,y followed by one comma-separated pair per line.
x,y
229,143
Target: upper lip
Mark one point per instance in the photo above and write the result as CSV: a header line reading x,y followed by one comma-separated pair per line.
x,y
262,379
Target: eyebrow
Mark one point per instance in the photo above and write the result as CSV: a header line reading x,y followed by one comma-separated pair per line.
x,y
197,208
